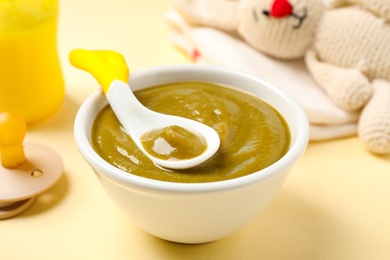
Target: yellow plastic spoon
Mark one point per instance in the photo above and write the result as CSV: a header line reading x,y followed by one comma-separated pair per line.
x,y
110,69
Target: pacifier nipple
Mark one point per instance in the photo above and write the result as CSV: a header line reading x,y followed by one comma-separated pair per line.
x,y
12,131
26,170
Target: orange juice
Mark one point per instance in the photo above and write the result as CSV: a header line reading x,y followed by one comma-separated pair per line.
x,y
31,81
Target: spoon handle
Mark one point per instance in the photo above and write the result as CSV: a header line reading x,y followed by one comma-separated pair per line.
x,y
126,106
105,66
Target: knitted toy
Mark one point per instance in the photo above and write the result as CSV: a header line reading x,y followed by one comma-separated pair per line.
x,y
350,59
346,53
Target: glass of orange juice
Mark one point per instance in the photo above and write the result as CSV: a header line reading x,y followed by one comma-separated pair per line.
x,y
31,81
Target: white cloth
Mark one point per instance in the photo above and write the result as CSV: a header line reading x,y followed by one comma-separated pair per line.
x,y
212,46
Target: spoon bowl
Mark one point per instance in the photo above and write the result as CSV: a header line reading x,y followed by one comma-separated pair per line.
x,y
110,70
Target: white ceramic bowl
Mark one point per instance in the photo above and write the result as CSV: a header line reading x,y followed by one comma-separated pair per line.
x,y
194,212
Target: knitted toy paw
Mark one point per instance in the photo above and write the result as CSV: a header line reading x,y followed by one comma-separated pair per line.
x,y
350,59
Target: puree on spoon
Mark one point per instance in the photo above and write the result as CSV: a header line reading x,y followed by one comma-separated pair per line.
x,y
173,143
253,134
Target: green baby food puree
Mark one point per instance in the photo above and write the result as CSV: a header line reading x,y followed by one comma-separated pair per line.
x,y
253,134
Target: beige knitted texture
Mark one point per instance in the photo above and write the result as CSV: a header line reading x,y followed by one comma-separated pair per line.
x,y
277,37
354,38
374,123
347,87
380,8
357,42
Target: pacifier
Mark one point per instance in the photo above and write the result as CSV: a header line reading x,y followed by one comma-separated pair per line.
x,y
26,170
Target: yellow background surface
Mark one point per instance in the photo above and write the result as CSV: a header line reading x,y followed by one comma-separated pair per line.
x,y
335,203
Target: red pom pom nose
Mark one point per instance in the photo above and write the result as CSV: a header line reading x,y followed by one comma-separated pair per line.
x,y
281,8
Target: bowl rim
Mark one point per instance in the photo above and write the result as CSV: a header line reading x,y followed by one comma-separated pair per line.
x,y
297,146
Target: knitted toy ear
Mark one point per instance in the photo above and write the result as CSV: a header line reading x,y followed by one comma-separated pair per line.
x,y
221,14
380,8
